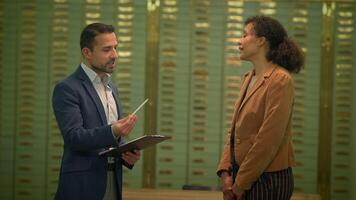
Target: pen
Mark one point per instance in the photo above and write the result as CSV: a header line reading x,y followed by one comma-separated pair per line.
x,y
138,108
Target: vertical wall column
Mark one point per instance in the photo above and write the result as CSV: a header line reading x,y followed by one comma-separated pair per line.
x,y
58,70
341,181
130,73
304,25
326,100
8,38
232,71
173,93
149,164
353,117
353,129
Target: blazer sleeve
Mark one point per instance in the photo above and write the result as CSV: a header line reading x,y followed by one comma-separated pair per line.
x,y
224,163
272,132
67,109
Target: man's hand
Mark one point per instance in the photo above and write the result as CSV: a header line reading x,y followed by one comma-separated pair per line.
x,y
226,180
131,157
124,126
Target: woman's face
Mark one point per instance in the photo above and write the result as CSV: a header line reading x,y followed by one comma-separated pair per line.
x,y
249,44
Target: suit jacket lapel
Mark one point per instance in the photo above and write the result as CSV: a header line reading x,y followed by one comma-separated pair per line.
x,y
94,95
115,94
88,85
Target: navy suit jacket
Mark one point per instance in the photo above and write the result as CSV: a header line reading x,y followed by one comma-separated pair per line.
x,y
83,125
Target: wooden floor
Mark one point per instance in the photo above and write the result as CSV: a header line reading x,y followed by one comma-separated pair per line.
x,y
152,194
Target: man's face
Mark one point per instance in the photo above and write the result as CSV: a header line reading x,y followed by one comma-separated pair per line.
x,y
103,56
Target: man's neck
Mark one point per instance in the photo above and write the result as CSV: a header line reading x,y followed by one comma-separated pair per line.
x,y
86,63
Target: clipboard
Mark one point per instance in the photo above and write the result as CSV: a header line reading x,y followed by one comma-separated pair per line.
x,y
136,144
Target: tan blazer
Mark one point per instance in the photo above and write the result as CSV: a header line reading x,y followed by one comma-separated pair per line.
x,y
263,122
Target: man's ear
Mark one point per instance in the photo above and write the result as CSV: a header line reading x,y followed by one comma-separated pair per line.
x,y
86,52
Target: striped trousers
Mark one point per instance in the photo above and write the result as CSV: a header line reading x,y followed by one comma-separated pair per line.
x,y
272,186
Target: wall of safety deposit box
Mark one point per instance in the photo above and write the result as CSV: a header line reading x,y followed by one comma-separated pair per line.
x,y
196,81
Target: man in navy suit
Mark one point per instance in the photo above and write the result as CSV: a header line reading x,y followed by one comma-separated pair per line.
x,y
87,108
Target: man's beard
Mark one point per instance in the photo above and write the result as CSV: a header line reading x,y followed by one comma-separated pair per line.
x,y
104,68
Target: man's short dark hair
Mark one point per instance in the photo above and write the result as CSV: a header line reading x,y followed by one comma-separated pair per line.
x,y
91,31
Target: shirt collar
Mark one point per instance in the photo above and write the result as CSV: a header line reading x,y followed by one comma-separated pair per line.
x,y
93,76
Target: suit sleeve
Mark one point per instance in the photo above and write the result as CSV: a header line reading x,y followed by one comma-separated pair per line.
x,y
67,109
278,111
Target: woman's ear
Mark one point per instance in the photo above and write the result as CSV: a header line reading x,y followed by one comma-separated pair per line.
x,y
261,41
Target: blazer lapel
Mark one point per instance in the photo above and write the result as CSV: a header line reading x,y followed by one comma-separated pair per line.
x,y
252,91
94,95
242,95
115,94
257,85
88,85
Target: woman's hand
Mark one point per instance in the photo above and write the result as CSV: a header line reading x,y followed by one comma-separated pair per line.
x,y
239,194
226,180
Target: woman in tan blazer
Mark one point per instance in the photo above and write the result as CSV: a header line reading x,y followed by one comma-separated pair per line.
x,y
258,155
